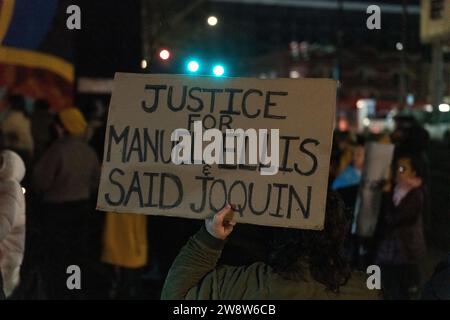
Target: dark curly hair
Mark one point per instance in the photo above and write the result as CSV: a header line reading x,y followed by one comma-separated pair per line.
x,y
321,251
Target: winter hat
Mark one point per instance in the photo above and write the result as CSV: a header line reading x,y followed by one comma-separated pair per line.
x,y
73,121
11,166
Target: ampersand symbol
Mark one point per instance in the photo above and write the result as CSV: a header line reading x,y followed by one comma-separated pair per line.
x,y
206,171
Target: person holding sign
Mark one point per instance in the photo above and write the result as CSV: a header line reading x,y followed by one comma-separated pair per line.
x,y
304,264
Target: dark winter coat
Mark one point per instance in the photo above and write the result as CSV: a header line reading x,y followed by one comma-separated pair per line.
x,y
402,230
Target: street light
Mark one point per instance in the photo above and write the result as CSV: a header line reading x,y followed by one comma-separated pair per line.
x,y
428,108
218,70
164,54
193,66
212,21
444,107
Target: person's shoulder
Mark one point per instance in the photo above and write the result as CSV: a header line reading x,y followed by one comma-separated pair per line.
x,y
83,143
258,267
259,270
77,143
416,194
56,147
418,191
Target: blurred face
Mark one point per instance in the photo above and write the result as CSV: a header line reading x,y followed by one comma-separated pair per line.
x,y
404,170
358,157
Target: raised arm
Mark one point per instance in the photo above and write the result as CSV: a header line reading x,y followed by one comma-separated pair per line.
x,y
199,256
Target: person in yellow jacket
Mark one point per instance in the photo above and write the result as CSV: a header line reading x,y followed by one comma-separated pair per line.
x,y
125,248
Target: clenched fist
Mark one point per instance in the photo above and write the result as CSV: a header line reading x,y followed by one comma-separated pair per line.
x,y
221,224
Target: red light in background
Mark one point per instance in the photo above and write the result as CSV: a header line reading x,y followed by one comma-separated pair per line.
x,y
164,54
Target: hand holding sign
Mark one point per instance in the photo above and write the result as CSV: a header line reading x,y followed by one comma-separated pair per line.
x,y
221,224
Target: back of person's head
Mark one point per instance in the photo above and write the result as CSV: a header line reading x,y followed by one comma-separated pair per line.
x,y
409,135
343,139
12,166
405,122
321,251
17,102
41,105
342,135
360,141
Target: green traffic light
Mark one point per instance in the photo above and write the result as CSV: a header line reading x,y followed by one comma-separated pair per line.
x,y
193,66
218,70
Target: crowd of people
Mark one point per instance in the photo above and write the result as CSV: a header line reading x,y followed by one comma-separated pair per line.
x,y
49,175
398,244
49,167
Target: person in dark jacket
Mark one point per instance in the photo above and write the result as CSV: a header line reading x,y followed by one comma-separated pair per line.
x,y
402,240
304,264
65,179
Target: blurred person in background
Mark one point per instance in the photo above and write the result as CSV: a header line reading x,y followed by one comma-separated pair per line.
x,y
12,219
345,142
341,154
347,185
65,178
351,175
304,264
401,230
16,128
409,135
125,249
41,122
95,132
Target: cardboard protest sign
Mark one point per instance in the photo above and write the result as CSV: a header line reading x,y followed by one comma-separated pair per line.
x,y
377,165
163,157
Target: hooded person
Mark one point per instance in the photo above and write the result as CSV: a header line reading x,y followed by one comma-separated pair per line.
x,y
65,179
12,219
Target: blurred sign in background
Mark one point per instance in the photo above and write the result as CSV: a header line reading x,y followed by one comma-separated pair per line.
x,y
435,20
36,51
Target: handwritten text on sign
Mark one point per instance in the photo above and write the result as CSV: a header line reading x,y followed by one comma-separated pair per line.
x,y
154,118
